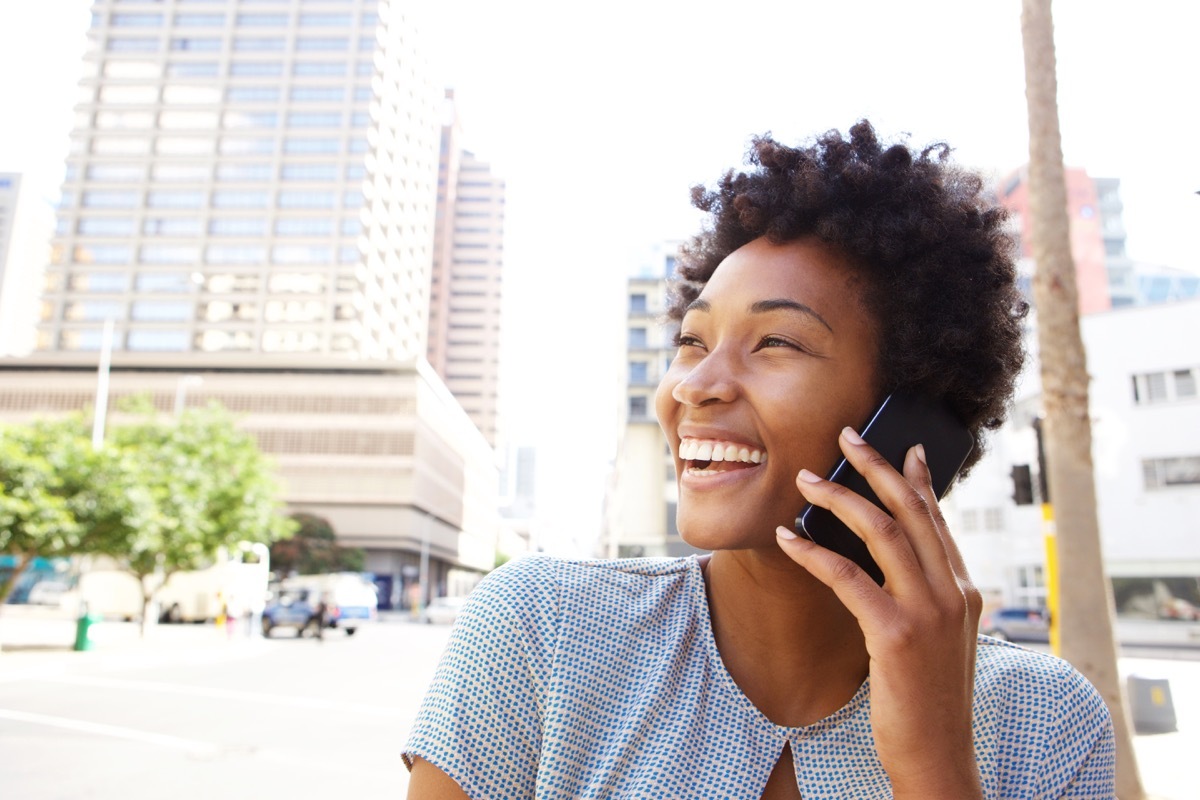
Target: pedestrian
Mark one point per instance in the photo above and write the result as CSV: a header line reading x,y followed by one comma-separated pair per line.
x,y
829,276
320,616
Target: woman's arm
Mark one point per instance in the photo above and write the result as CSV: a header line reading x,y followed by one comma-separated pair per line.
x,y
427,782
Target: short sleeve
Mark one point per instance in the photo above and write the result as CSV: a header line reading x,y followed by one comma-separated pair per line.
x,y
481,720
1081,758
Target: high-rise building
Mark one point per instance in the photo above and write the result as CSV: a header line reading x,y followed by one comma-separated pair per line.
x,y
247,177
642,497
250,201
1097,232
465,298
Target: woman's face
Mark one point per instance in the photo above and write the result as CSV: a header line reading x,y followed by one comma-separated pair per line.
x,y
776,356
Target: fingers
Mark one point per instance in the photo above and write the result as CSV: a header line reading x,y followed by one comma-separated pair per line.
x,y
907,543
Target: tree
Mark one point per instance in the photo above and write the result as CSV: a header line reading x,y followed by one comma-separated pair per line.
x,y
58,496
210,488
1085,604
313,549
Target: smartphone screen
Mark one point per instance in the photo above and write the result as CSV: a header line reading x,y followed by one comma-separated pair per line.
x,y
899,423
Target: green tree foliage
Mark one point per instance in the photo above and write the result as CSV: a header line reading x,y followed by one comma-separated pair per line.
x,y
211,488
314,550
162,495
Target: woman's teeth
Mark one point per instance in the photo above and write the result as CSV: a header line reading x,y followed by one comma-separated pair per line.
x,y
707,450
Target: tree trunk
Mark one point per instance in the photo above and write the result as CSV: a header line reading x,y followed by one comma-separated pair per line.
x,y
1085,596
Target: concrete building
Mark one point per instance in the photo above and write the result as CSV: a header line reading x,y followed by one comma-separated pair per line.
x,y
1145,367
378,448
640,507
250,201
25,225
465,294
248,179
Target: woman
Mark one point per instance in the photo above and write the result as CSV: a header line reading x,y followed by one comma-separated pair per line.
x,y
830,276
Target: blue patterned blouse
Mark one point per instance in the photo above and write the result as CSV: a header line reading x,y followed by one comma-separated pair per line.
x,y
601,679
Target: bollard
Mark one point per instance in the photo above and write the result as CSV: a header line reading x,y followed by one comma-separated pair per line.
x,y
83,627
1150,704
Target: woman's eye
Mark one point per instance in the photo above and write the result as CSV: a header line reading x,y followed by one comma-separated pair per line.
x,y
687,340
778,341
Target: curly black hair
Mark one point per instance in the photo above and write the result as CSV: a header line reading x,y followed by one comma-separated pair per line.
x,y
931,246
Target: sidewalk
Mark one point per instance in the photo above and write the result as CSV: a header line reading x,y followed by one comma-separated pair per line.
x,y
35,640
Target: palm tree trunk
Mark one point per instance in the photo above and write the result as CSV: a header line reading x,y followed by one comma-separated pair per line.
x,y
1085,596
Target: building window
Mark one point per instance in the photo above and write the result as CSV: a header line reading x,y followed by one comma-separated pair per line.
x,y
317,94
293,145
1164,387
164,282
321,44
238,226
147,311
252,94
1162,473
168,254
639,372
233,173
638,407
258,44
637,303
304,226
319,68
314,119
102,254
259,69
199,20
157,341
308,172
226,198
171,226
106,226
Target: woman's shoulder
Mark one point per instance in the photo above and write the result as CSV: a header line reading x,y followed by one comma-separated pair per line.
x,y
1013,676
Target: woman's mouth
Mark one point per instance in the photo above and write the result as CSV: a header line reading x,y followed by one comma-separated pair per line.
x,y
711,455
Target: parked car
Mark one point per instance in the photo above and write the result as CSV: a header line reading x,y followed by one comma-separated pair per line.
x,y
352,603
1017,624
442,610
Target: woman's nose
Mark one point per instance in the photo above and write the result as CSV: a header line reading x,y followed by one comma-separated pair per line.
x,y
710,381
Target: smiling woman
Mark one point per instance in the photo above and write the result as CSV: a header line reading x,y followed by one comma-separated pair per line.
x,y
830,276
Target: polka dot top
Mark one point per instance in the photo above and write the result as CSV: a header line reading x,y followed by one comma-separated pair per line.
x,y
600,679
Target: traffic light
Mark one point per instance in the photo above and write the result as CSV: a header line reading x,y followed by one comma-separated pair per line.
x,y
1022,485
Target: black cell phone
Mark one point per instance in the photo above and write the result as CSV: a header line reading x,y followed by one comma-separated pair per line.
x,y
900,422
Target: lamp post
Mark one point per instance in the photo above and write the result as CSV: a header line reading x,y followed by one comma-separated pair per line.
x,y
181,387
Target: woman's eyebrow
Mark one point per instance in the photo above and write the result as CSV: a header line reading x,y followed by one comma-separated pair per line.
x,y
765,306
778,304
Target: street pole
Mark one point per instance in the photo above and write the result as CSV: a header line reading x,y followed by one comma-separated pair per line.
x,y
423,600
181,391
102,385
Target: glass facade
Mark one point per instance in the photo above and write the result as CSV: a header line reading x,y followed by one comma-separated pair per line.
x,y
216,175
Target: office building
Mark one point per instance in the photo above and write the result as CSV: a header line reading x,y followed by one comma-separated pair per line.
x,y
249,208
247,177
642,495
465,294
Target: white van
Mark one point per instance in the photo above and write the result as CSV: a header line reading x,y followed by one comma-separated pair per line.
x,y
353,599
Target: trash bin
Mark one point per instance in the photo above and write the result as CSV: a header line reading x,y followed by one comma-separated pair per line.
x,y
1150,704
83,627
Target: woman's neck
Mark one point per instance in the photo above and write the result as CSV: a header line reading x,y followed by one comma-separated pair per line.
x,y
789,643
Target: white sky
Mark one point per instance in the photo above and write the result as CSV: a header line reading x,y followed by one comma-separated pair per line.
x,y
601,116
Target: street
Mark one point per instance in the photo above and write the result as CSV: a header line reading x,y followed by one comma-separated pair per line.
x,y
193,712
198,714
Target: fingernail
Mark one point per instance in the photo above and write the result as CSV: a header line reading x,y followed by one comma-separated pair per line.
x,y
783,532
852,436
809,477
921,454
